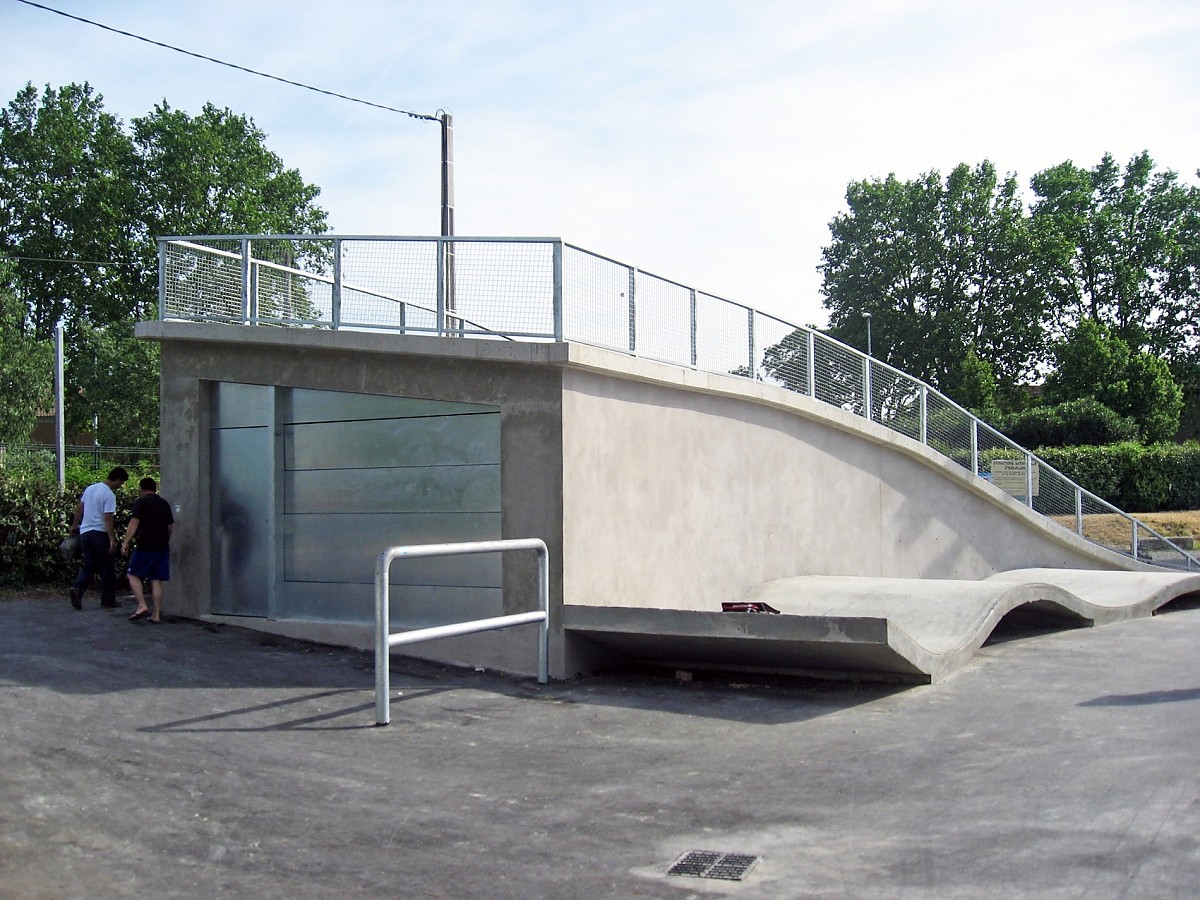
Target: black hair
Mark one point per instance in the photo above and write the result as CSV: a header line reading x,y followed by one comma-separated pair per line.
x,y
147,484
118,474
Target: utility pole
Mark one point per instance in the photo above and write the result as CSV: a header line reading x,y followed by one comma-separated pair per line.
x,y
447,123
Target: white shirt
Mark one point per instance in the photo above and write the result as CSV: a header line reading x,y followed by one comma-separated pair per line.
x,y
97,499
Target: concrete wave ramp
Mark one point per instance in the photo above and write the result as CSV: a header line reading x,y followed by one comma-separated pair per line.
x,y
909,629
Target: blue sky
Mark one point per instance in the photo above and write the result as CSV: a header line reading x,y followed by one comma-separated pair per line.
x,y
708,142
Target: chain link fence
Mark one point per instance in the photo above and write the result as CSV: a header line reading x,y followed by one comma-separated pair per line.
x,y
45,456
544,289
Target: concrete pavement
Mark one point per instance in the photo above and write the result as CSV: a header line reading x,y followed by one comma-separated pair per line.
x,y
188,760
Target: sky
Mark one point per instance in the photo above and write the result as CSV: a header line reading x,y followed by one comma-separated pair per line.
x,y
707,141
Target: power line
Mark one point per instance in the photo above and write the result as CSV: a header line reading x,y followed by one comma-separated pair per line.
x,y
221,62
65,262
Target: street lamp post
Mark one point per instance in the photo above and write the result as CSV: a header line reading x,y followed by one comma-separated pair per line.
x,y
867,316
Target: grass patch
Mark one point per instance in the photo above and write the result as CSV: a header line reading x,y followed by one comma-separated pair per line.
x,y
1113,530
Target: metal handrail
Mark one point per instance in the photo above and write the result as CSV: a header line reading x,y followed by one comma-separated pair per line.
x,y
385,639
619,316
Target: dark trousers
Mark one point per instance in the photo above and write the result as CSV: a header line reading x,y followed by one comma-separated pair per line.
x,y
96,561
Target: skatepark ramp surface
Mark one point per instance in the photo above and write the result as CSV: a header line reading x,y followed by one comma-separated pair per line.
x,y
907,629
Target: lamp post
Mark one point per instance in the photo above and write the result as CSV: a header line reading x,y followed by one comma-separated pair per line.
x,y
867,316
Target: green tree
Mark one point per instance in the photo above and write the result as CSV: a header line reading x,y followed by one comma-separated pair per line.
x,y
213,174
1121,247
81,205
26,366
66,207
944,268
1093,361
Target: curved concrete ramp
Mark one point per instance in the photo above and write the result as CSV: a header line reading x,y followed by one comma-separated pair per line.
x,y
1114,596
910,629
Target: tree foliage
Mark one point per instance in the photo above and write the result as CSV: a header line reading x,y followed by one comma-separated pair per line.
x,y
82,201
959,277
26,366
1121,247
944,268
1095,362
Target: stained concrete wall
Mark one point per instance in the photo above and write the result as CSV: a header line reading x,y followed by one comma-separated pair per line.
x,y
652,485
516,377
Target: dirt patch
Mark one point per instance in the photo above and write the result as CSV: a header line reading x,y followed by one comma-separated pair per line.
x,y
1113,530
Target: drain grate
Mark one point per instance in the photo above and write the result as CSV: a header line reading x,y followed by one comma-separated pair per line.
x,y
711,864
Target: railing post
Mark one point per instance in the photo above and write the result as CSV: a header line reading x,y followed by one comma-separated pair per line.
x,y
557,275
812,363
632,310
924,425
1078,510
1133,542
441,289
868,412
974,446
1029,479
247,318
335,312
750,367
692,305
383,627
162,281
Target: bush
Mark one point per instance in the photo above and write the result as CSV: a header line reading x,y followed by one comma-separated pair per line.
x,y
1083,422
35,516
1133,477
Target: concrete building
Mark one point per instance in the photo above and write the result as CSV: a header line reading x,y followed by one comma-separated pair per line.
x,y
296,456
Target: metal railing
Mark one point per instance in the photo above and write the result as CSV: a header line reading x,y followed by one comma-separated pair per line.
x,y
385,639
44,455
543,289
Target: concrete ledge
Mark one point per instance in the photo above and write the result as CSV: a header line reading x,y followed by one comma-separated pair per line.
x,y
909,629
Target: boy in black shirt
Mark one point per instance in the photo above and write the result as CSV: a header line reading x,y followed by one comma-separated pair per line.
x,y
152,522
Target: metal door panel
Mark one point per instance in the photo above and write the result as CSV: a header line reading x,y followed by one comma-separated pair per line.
x,y
385,443
431,489
329,548
241,521
300,406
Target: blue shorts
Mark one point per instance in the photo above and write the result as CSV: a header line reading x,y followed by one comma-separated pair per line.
x,y
151,565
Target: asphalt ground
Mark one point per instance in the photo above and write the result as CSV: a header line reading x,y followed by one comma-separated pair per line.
x,y
192,760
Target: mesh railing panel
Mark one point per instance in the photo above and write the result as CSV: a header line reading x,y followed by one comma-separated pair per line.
x,y
948,430
285,298
896,401
783,353
389,284
663,322
507,289
203,282
595,299
839,376
722,336
503,289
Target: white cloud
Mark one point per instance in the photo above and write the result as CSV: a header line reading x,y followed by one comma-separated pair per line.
x,y
707,141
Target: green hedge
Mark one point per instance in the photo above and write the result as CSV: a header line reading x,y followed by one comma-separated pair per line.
x,y
1083,422
1133,477
35,516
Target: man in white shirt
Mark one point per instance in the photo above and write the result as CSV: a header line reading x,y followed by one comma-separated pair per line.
x,y
94,520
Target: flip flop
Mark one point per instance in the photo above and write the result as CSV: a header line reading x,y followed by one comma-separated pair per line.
x,y
156,621
139,615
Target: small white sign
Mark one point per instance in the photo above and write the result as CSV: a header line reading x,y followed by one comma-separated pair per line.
x,y
1009,476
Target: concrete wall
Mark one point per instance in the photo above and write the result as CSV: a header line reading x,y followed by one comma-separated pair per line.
x,y
515,377
652,485
682,490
